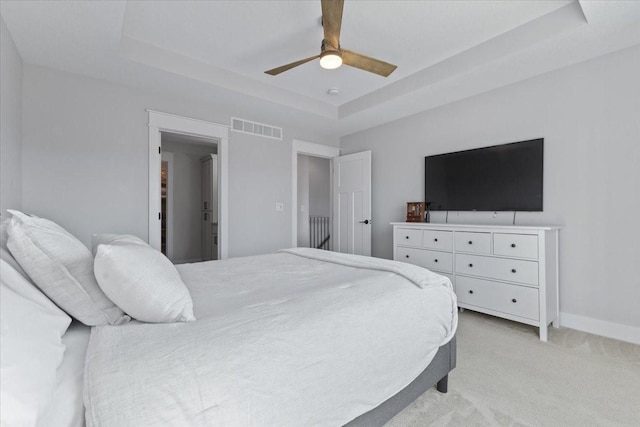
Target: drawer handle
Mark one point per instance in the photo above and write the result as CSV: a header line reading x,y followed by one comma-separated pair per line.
x,y
513,245
470,291
407,256
435,240
470,265
406,237
513,270
471,242
514,300
435,260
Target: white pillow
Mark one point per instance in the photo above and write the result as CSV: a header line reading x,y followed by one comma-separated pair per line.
x,y
62,267
4,249
108,238
4,226
31,350
142,282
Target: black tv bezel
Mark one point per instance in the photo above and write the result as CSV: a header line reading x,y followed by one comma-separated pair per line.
x,y
540,140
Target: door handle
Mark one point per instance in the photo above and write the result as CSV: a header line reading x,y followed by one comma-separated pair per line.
x,y
366,221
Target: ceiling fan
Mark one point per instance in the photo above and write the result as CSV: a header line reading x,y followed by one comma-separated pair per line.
x,y
331,54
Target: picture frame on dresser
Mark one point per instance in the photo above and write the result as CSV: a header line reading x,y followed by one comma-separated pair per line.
x,y
508,271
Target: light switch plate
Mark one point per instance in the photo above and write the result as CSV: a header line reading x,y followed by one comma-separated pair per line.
x,y
279,206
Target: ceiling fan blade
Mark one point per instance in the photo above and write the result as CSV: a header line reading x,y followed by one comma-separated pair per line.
x,y
367,64
332,21
284,68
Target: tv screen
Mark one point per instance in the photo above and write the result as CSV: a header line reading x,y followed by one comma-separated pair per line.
x,y
505,177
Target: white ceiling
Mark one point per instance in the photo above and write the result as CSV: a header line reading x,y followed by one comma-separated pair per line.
x,y
444,50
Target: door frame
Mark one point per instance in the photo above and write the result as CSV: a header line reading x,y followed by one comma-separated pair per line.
x,y
314,150
165,122
168,157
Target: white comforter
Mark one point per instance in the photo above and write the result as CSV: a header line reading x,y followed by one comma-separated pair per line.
x,y
280,340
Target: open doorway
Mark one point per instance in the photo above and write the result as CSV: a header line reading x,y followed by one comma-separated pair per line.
x,y
164,122
189,198
314,201
312,194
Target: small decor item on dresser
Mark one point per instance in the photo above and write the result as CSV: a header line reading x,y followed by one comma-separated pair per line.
x,y
415,211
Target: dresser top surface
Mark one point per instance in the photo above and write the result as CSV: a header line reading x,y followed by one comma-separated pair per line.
x,y
449,226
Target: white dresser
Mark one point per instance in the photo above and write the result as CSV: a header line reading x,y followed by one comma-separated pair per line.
x,y
505,271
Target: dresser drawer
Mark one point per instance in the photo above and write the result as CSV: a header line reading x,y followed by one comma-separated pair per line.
x,y
512,299
409,237
436,239
432,260
517,245
477,243
512,270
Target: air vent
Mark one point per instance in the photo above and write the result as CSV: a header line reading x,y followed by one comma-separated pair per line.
x,y
245,126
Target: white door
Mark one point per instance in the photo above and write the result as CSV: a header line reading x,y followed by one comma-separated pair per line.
x,y
352,203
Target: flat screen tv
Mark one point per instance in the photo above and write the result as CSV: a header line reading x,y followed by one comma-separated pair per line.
x,y
505,177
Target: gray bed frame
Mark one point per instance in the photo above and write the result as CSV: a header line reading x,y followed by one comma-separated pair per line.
x,y
437,373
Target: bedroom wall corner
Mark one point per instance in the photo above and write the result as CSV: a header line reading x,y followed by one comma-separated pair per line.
x,y
10,122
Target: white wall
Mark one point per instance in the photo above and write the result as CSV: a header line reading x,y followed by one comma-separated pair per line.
x,y
589,115
85,158
187,199
10,122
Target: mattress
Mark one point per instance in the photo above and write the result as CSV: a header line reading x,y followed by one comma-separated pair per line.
x,y
284,339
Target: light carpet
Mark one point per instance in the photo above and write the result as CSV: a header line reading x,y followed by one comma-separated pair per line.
x,y
505,376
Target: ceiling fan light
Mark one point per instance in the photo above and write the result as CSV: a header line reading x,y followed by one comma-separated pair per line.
x,y
330,59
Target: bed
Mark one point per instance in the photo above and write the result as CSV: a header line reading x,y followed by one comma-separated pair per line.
x,y
297,337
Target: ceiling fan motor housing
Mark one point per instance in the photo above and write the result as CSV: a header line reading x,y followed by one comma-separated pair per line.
x,y
330,57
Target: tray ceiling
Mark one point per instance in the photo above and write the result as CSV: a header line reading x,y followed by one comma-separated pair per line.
x,y
445,50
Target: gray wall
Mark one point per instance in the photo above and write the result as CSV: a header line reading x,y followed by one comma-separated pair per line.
x,y
85,144
319,186
261,177
589,115
10,122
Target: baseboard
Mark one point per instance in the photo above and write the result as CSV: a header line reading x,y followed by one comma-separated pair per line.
x,y
600,327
